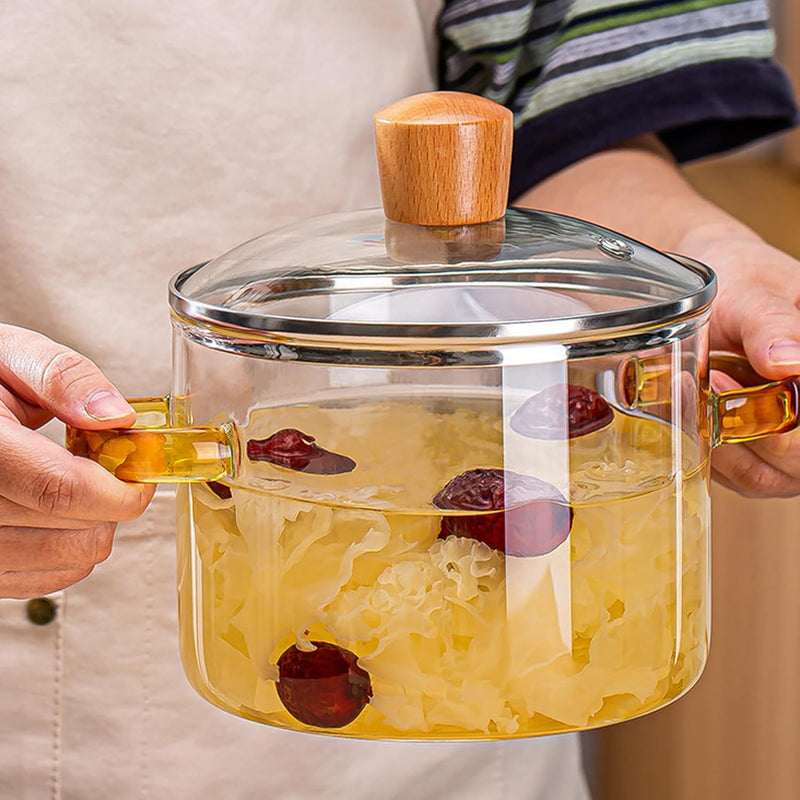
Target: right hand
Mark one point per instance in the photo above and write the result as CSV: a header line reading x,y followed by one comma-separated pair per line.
x,y
58,512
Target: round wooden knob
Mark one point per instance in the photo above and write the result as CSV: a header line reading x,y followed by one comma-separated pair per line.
x,y
444,158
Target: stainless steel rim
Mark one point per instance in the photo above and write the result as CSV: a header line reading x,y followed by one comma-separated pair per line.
x,y
562,330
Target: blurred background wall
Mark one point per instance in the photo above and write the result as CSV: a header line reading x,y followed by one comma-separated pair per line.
x,y
736,735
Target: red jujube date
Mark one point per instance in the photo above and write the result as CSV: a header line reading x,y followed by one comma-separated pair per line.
x,y
296,450
546,414
324,687
532,517
220,489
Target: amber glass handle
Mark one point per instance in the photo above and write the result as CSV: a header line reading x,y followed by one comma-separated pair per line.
x,y
153,452
753,412
757,410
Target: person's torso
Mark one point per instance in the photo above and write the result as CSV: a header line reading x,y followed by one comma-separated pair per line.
x,y
138,139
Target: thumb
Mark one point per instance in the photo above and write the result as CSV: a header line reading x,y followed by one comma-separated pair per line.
x,y
766,327
757,311
771,336
46,374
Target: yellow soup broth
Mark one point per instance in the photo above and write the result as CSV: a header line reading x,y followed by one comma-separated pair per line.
x,y
459,640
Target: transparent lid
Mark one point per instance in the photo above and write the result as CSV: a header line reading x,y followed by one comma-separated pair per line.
x,y
443,259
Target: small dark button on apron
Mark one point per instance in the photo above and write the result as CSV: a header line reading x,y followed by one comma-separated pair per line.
x,y
41,610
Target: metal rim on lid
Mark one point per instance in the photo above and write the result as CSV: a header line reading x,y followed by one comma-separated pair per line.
x,y
561,330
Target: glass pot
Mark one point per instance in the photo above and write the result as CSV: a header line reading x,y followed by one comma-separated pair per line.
x,y
444,470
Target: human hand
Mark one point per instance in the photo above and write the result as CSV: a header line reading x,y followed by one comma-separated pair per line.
x,y
58,512
756,313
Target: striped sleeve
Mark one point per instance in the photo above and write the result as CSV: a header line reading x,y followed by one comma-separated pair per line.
x,y
582,75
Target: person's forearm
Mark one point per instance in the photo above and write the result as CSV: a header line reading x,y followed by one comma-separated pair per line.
x,y
638,190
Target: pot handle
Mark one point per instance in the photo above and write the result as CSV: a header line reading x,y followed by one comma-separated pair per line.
x,y
153,452
754,411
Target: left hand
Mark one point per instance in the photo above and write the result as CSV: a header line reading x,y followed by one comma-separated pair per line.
x,y
756,313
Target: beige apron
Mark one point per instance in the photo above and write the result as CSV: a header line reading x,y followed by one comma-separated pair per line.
x,y
136,139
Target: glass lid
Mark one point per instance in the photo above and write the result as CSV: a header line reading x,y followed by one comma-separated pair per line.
x,y
443,259
549,276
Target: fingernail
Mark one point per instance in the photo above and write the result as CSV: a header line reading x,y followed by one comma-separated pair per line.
x,y
786,351
104,405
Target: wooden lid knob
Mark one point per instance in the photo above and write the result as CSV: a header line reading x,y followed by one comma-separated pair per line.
x,y
444,158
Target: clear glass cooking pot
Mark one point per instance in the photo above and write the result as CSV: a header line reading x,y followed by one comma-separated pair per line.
x,y
444,475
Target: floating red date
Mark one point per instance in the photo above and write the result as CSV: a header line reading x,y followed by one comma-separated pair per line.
x,y
574,410
296,450
521,515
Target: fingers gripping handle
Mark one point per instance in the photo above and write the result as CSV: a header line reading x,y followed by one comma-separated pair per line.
x,y
153,452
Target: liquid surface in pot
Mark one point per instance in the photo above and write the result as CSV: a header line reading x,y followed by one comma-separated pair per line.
x,y
350,604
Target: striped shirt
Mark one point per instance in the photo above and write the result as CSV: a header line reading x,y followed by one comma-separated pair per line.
x,y
582,75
